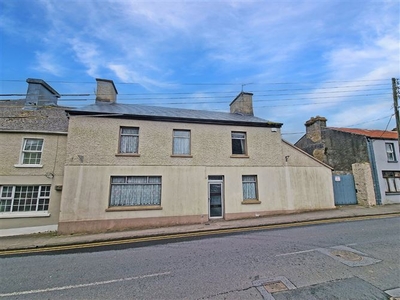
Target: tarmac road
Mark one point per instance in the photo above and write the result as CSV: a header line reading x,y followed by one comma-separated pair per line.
x,y
343,260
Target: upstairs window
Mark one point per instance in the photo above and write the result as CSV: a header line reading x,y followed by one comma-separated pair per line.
x,y
391,156
239,143
32,152
181,143
129,140
249,183
392,179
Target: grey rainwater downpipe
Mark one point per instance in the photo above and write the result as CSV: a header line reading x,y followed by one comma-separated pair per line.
x,y
374,171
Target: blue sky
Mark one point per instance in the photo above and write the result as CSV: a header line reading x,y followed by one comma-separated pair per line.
x,y
299,58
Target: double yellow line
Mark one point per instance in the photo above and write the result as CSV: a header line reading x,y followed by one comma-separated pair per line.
x,y
188,235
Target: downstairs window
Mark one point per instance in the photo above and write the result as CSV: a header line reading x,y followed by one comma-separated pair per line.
x,y
24,198
392,180
135,190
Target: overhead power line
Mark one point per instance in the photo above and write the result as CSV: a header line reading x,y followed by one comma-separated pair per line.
x,y
207,83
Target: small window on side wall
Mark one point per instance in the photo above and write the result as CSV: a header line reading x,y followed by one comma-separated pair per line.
x,y
239,143
249,183
129,140
32,152
181,142
390,153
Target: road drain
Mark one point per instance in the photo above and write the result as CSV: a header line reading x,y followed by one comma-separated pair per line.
x,y
273,287
346,255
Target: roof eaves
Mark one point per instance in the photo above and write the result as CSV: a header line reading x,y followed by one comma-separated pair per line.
x,y
382,137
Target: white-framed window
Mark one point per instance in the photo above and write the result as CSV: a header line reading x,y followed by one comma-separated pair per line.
x,y
181,142
31,151
239,143
135,190
249,183
392,180
24,198
129,140
390,153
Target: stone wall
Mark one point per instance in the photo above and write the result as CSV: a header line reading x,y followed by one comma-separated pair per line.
x,y
364,184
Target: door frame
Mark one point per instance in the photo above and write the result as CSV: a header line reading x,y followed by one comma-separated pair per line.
x,y
212,180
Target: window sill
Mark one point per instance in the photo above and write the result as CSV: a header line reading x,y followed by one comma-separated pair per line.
x,y
239,156
134,208
28,166
251,201
127,154
28,214
392,161
182,155
392,193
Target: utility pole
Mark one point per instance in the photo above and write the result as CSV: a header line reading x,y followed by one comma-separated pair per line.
x,y
396,107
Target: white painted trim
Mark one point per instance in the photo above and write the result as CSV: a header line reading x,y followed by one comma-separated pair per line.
x,y
33,131
28,166
27,230
28,214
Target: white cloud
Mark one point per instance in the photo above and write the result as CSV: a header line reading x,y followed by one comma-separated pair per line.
x,y
156,43
47,63
127,75
87,54
354,115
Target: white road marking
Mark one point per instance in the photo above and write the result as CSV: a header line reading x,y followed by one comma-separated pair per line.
x,y
297,252
82,285
394,292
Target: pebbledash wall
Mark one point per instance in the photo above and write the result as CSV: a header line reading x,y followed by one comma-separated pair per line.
x,y
49,173
288,180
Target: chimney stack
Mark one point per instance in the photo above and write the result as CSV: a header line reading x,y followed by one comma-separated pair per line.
x,y
314,127
106,91
243,104
39,94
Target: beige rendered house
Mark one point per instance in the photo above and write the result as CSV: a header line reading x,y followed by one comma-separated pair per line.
x,y
33,139
133,166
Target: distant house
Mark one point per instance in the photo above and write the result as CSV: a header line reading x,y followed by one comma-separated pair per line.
x,y
133,166
371,156
33,139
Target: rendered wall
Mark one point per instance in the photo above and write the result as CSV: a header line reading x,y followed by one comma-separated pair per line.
x,y
53,159
383,165
288,180
94,141
185,194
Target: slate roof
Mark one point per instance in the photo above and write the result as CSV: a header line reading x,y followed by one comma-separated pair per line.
x,y
157,113
14,117
375,134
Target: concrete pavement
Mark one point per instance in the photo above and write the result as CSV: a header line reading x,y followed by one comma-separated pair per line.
x,y
51,239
